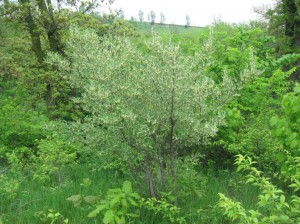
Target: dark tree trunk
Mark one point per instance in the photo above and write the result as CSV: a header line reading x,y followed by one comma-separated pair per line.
x,y
172,152
292,21
149,177
45,7
297,26
296,37
49,23
50,101
173,174
292,29
34,32
290,13
162,165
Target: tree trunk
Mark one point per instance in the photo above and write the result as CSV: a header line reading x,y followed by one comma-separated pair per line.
x,y
46,9
49,23
292,29
290,13
173,174
34,32
297,36
162,166
297,26
172,148
50,100
149,177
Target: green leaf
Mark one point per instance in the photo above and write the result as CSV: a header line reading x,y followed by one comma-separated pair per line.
x,y
133,215
249,180
90,199
135,195
74,198
123,219
102,207
115,201
281,156
294,144
108,217
297,89
282,198
284,168
95,212
118,220
124,202
292,137
86,182
273,121
114,191
127,187
132,202
50,215
284,218
278,131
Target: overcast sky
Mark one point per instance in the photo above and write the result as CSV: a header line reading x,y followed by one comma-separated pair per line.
x,y
201,12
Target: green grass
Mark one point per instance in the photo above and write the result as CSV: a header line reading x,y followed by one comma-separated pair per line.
x,y
204,209
147,27
188,38
33,197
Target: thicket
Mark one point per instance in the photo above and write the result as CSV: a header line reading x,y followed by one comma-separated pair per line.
x,y
111,122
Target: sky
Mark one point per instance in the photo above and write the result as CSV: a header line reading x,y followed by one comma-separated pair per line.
x,y
201,12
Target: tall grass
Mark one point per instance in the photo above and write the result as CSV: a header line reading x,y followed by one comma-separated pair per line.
x,y
34,197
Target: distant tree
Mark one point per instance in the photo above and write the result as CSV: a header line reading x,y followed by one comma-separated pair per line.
x,y
187,20
121,14
284,24
132,19
152,17
45,21
162,18
141,16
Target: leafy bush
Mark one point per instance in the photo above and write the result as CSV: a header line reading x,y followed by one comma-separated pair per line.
x,y
287,125
150,106
8,188
117,205
272,206
169,212
20,127
52,217
53,155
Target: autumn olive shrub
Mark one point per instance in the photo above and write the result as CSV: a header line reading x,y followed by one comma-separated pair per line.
x,y
147,107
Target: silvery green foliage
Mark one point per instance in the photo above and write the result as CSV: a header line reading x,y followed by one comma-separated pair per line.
x,y
139,96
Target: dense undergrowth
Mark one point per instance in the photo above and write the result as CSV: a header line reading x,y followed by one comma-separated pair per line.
x,y
124,122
